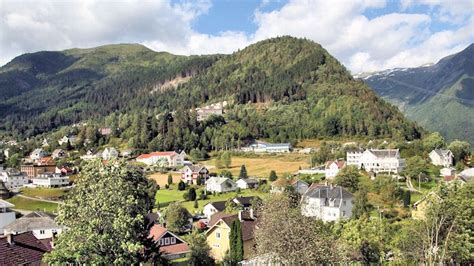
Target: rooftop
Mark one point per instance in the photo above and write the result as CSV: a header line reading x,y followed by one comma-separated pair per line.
x,y
26,249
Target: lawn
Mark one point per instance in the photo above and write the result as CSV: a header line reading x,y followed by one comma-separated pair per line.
x,y
261,165
44,193
162,178
32,205
165,196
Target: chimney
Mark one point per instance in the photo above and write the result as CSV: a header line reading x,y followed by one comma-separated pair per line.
x,y
10,239
251,214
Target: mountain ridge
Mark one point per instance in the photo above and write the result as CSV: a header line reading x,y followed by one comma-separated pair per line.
x,y
295,76
440,97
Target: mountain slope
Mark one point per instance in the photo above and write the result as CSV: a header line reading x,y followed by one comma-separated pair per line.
x,y
440,97
282,89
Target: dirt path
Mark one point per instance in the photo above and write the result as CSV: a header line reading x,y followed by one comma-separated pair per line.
x,y
410,185
38,199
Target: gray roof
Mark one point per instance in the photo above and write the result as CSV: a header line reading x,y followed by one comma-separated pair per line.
x,y
332,192
387,153
442,153
249,180
33,221
195,168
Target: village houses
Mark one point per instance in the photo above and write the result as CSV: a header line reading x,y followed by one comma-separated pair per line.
x,y
7,216
50,180
163,158
327,203
441,157
58,154
244,203
41,224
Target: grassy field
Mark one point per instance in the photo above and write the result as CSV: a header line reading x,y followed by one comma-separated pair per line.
x,y
162,179
32,205
44,193
261,165
165,196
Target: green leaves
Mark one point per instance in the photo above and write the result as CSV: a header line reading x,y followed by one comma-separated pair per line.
x,y
105,216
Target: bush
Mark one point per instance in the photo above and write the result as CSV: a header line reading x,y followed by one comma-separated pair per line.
x,y
181,185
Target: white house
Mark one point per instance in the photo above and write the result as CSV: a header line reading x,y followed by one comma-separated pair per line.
x,y
447,171
109,153
467,175
220,184
38,154
332,168
58,153
163,158
245,183
279,185
261,146
387,161
6,215
50,180
328,203
441,157
213,207
13,178
41,224
72,139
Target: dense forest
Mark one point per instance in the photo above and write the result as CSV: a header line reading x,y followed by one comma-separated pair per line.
x,y
281,89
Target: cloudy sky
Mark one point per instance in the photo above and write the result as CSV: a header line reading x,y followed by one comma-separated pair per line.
x,y
366,35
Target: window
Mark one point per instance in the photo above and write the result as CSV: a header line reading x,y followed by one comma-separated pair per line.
x,y
41,232
173,240
167,241
216,245
218,235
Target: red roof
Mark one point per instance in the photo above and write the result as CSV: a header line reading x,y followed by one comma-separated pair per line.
x,y
26,249
157,231
46,161
175,249
449,178
339,163
158,153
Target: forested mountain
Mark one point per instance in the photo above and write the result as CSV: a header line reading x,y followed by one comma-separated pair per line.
x,y
283,89
440,97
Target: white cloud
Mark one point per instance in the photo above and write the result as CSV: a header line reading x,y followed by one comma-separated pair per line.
x,y
362,43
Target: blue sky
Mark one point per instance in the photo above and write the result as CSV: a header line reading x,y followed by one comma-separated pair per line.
x,y
365,35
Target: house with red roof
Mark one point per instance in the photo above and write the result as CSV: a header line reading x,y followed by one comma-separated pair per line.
x,y
332,168
171,246
163,158
22,249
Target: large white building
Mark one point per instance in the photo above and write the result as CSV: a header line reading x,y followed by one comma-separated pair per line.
x,y
327,203
260,147
441,157
13,178
163,158
377,161
51,180
41,224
